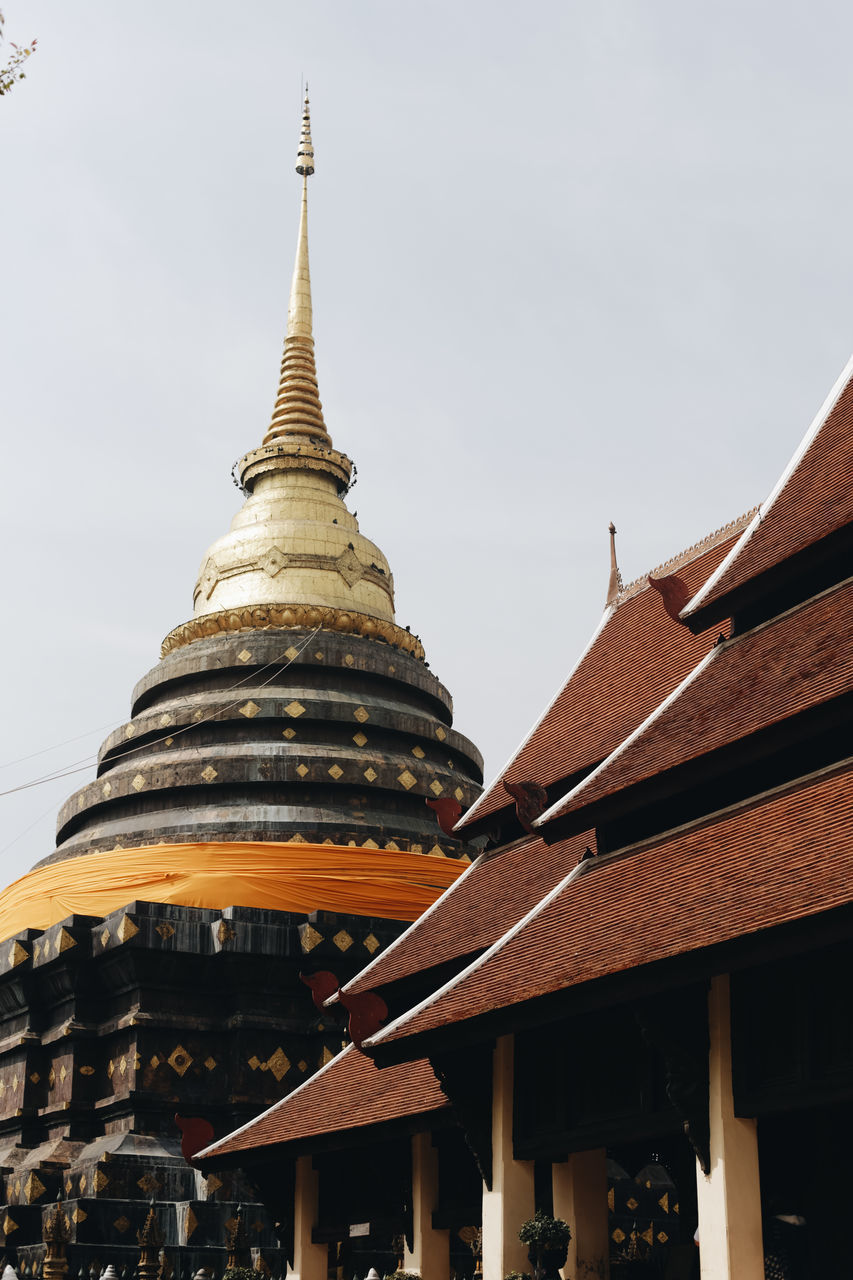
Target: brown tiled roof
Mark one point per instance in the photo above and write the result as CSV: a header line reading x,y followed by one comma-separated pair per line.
x,y
637,658
477,910
349,1093
813,499
753,681
762,866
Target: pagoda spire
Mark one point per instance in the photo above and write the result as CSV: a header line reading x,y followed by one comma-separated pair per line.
x,y
298,411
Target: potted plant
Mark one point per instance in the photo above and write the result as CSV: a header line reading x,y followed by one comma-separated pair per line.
x,y
547,1241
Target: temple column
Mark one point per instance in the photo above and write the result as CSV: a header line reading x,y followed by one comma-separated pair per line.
x,y
730,1242
580,1198
430,1252
511,1198
310,1261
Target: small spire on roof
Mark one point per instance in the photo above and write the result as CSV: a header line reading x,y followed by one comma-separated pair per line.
x,y
614,586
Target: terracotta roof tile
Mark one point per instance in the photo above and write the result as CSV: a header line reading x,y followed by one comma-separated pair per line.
x,y
639,656
813,499
796,662
349,1093
760,867
477,910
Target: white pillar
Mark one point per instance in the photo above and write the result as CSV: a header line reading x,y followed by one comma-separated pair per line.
x,y
730,1243
511,1199
580,1198
430,1252
310,1261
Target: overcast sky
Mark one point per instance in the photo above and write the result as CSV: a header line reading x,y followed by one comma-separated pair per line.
x,y
571,263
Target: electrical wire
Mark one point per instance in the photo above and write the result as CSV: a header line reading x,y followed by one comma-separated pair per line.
x,y
80,766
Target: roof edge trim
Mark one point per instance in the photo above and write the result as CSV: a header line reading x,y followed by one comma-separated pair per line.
x,y
209,1152
560,806
765,507
385,1033
469,816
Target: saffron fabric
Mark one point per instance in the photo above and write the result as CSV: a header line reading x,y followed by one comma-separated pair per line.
x,y
277,876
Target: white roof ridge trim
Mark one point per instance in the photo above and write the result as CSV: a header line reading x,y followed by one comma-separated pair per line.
x,y
203,1155
379,1037
558,805
423,916
469,813
799,453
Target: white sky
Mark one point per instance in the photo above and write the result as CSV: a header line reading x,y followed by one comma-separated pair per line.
x,y
571,262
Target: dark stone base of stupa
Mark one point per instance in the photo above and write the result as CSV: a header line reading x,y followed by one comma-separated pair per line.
x,y
110,1027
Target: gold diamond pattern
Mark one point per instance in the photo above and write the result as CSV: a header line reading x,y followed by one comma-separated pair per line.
x,y
33,1188
249,709
107,789
302,1064
342,940
191,1223
435,852
101,1180
302,769
209,1063
459,793
148,1184
335,771
279,1063
359,739
155,1061
34,1078
87,1071
105,937
122,1066
9,1225
370,844
309,937
319,657
294,709
130,731
435,787
291,654
168,741
618,1235
361,715
165,720
254,1062
165,930
440,733
17,955
111,1066
79,1215
407,779
63,1073
370,774
289,733
349,659
419,752
244,655
179,1060
126,929
372,943
209,773
632,1203
138,782
121,1224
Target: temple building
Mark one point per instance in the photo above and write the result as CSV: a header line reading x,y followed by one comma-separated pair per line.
x,y
262,815
649,1033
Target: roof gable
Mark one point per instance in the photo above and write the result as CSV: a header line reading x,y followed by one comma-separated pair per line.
x,y
812,499
637,656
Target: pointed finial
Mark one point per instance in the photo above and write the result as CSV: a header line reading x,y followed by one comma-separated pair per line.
x,y
614,586
305,155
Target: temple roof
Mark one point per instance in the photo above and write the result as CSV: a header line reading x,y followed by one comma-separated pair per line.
x,y
495,892
812,499
771,861
349,1093
637,655
743,685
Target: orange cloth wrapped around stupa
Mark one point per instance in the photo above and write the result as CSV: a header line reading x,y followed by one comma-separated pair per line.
x,y
275,876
